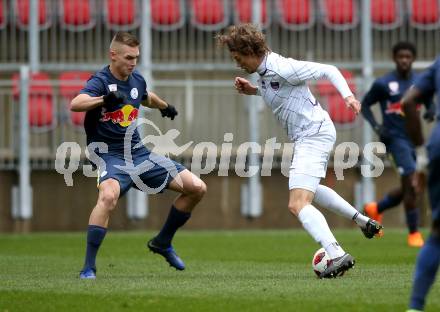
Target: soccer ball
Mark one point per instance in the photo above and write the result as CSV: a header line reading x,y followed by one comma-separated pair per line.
x,y
320,261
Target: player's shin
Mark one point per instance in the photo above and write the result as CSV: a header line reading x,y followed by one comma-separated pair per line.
x,y
176,219
315,224
95,236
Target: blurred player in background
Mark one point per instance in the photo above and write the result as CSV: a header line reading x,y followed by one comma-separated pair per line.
x,y
282,85
388,91
112,98
428,260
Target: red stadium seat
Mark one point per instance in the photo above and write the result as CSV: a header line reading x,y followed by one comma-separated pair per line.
x,y
338,111
77,15
209,14
122,14
22,18
167,14
243,12
424,14
3,13
41,106
296,14
386,14
340,14
71,83
336,107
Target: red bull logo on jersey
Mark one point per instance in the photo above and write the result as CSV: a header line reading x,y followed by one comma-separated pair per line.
x,y
396,108
123,116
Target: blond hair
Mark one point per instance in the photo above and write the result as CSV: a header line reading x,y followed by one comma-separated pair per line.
x,y
124,38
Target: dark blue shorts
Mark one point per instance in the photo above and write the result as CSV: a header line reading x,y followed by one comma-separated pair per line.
x,y
403,154
144,170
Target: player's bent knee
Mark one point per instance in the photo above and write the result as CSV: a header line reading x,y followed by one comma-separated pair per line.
x,y
294,208
199,190
202,190
196,188
108,198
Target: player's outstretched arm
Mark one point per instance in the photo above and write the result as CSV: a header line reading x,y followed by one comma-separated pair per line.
x,y
373,96
154,101
368,115
84,102
243,86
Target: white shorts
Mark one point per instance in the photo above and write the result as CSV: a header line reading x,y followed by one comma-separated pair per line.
x,y
310,158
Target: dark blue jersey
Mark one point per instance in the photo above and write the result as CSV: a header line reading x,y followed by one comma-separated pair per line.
x,y
109,123
428,83
388,91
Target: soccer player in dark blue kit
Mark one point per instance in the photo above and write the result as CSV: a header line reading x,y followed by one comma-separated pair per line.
x,y
111,98
428,259
388,91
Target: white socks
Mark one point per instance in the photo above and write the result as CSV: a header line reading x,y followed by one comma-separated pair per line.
x,y
315,224
329,199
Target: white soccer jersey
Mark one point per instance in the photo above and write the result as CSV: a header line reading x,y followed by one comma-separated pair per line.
x,y
282,85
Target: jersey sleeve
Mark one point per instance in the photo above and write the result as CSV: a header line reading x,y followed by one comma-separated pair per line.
x,y
145,94
425,83
374,95
94,87
300,71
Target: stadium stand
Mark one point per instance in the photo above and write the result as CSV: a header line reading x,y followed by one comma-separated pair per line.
x,y
296,14
386,14
3,14
122,14
424,14
340,14
182,41
22,18
77,15
243,12
167,15
42,111
209,15
71,82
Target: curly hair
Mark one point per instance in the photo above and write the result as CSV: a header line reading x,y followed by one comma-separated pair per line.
x,y
403,45
245,39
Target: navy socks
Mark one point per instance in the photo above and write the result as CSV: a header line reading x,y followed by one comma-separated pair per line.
x,y
175,220
412,220
388,202
95,236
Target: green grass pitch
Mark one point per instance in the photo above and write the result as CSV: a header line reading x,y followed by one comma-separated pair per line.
x,y
226,271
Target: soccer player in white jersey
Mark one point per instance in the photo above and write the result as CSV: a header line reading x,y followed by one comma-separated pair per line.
x,y
282,85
